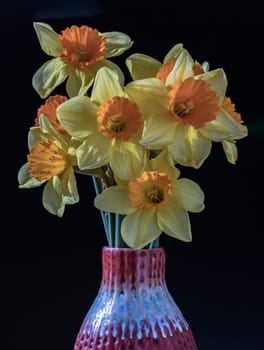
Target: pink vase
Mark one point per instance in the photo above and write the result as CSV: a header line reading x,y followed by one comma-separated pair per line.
x,y
133,309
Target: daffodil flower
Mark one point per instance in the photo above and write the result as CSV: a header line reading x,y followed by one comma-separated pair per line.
x,y
186,114
190,113
78,53
155,201
109,125
51,161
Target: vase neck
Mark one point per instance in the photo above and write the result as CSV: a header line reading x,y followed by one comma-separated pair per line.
x,y
133,267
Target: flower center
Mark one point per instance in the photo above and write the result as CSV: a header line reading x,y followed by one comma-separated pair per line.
x,y
82,46
151,190
193,102
49,110
119,118
46,160
165,70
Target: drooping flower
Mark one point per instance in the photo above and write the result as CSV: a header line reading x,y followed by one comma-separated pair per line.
x,y
78,53
154,201
49,109
50,161
109,125
186,113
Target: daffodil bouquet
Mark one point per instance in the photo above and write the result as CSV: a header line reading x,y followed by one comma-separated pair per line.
x,y
131,138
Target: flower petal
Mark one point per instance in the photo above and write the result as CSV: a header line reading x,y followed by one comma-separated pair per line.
x,y
114,200
174,52
47,128
94,152
140,228
34,135
175,222
69,187
79,82
163,162
216,79
51,74
78,116
230,150
52,200
189,147
106,86
48,38
24,179
142,66
111,65
116,43
150,94
158,131
133,156
224,127
189,195
183,68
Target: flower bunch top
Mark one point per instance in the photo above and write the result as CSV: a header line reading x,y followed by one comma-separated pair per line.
x,y
130,138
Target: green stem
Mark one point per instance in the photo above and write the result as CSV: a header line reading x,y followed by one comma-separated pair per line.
x,y
98,189
154,244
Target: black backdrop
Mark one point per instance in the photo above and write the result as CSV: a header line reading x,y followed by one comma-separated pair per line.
x,y
51,266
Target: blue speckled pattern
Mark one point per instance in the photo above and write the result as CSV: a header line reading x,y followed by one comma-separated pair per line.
x,y
133,308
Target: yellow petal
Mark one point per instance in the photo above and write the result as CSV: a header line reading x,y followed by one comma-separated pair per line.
x,y
48,38
50,132
51,74
140,228
142,66
150,94
78,82
189,147
78,116
158,131
224,127
189,195
128,160
111,65
164,164
24,179
183,68
230,150
116,43
216,79
175,222
174,52
34,136
94,152
52,200
69,187
114,200
106,86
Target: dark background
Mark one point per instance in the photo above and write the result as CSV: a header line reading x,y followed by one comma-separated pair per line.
x,y
51,266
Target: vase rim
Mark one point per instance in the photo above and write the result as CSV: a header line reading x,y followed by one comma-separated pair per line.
x,y
127,249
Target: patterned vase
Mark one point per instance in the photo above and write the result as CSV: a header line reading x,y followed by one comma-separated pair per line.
x,y
133,309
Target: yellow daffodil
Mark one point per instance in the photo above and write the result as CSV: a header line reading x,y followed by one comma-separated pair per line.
x,y
187,114
155,201
196,109
78,54
51,160
109,124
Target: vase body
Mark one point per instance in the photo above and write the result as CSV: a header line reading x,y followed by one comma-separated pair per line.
x,y
133,309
